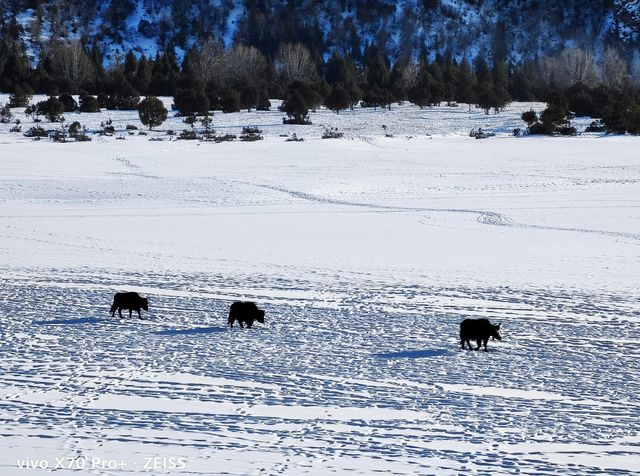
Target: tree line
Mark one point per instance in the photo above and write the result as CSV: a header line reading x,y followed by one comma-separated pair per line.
x,y
212,77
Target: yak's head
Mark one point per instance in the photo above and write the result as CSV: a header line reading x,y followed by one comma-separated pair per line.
x,y
145,304
495,331
260,316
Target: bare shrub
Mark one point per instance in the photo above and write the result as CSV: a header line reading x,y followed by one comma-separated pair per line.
x,y
294,63
244,65
208,62
614,71
71,61
576,65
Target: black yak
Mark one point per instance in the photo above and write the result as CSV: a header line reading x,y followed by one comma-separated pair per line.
x,y
131,301
245,312
479,330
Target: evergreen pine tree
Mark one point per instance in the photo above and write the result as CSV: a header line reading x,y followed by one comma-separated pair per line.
x,y
89,103
21,96
435,83
130,67
338,99
482,71
580,102
449,78
335,69
96,57
142,77
16,70
230,101
465,85
52,109
296,107
486,96
397,81
556,117
70,104
152,112
500,78
249,98
420,93
191,100
519,86
263,100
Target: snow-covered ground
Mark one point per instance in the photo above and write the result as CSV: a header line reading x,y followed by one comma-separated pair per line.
x,y
366,253
404,121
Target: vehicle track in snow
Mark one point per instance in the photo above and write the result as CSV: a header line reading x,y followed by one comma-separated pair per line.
x,y
485,217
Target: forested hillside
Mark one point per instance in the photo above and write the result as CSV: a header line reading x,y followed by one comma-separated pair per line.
x,y
580,57
511,30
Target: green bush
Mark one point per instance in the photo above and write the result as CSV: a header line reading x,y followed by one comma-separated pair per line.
x,y
52,109
152,112
70,104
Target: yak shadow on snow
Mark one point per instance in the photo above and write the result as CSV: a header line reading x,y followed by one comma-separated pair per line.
x,y
413,354
195,330
81,320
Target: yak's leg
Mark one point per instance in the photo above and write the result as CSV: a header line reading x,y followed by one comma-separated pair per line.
x,y
486,339
469,344
120,312
130,310
139,315
479,342
462,343
230,322
241,324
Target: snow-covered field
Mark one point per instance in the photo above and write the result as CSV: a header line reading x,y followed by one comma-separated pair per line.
x,y
366,253
403,121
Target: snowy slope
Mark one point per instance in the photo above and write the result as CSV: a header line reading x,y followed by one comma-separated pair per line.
x,y
366,253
